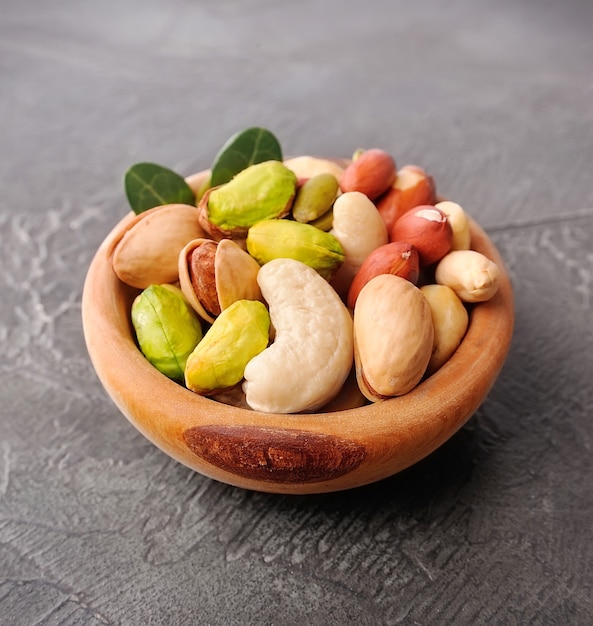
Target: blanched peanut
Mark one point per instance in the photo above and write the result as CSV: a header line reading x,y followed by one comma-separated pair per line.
x,y
450,320
459,223
471,275
360,229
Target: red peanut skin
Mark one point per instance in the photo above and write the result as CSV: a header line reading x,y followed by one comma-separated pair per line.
x,y
372,173
397,258
428,230
399,200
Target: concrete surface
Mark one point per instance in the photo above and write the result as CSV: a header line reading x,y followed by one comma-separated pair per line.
x,y
496,101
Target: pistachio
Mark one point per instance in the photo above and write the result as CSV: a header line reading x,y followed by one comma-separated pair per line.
x,y
315,197
166,327
148,251
471,275
324,222
262,191
311,355
450,320
274,239
213,275
393,337
200,263
238,334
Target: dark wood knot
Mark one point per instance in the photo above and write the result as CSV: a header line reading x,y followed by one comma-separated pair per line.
x,y
274,454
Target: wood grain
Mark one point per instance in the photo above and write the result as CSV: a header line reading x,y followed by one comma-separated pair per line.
x,y
274,454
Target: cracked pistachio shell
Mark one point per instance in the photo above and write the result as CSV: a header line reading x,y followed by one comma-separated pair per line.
x,y
262,191
166,327
233,276
237,335
275,239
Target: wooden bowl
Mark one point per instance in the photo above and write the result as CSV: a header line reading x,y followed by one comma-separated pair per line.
x,y
297,454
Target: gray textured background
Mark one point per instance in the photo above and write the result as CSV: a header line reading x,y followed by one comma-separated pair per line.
x,y
495,99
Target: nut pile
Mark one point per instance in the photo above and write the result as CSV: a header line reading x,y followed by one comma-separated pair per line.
x,y
279,287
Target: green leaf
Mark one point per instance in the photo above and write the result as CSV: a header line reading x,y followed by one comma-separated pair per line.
x,y
148,185
250,146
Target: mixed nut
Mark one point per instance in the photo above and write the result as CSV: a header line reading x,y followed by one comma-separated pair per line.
x,y
277,287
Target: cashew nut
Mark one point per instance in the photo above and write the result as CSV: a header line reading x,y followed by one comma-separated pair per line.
x,y
312,353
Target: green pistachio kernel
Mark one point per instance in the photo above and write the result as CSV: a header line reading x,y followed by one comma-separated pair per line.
x,y
167,328
315,197
238,334
276,239
325,221
261,191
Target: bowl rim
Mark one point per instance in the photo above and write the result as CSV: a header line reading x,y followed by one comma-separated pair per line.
x,y
315,452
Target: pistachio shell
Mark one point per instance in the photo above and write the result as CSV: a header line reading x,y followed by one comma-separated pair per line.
x,y
148,251
166,327
202,273
275,239
235,276
393,337
262,191
237,335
